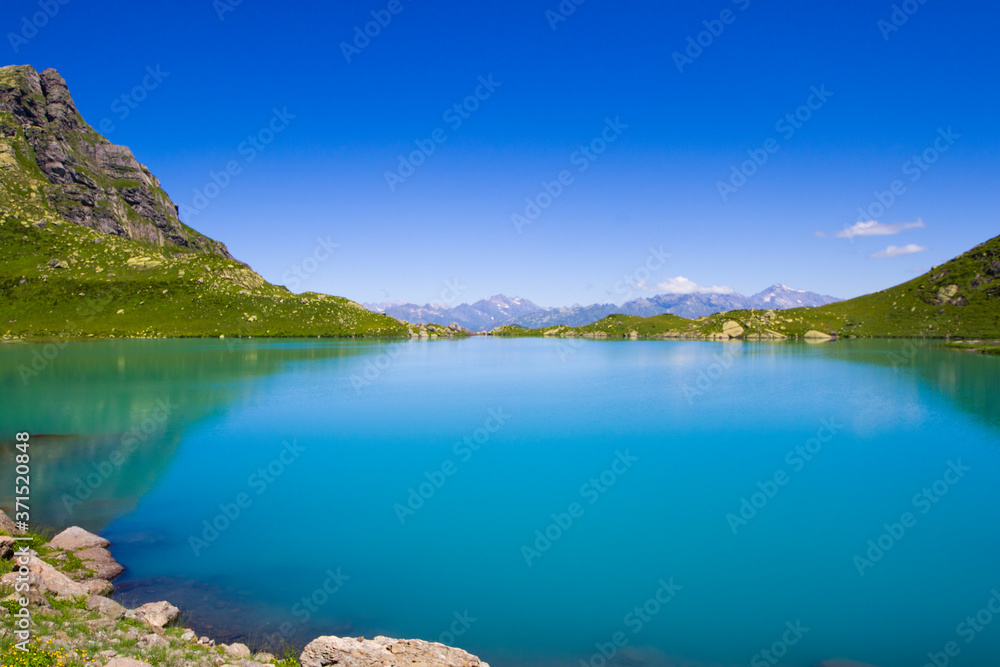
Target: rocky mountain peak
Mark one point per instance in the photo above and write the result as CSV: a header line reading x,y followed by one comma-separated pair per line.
x,y
60,110
90,181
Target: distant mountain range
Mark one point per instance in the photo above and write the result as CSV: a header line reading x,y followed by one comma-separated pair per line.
x,y
486,314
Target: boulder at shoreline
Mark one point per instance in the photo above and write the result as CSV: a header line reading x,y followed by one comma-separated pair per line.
x,y
384,652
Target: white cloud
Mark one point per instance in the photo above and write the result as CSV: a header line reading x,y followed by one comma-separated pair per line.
x,y
898,251
682,285
875,228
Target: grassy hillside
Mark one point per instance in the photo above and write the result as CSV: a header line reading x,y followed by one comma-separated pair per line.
x,y
959,299
91,246
61,279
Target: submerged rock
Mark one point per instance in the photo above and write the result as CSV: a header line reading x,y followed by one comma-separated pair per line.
x,y
384,652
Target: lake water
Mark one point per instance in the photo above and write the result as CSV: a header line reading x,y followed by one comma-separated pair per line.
x,y
537,502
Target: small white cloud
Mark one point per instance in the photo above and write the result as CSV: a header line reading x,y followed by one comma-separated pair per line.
x,y
875,228
682,285
898,251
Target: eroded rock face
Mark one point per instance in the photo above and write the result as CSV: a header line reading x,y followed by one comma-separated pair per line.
x,y
384,652
94,182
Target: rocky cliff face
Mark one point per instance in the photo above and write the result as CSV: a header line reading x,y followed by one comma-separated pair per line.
x,y
93,182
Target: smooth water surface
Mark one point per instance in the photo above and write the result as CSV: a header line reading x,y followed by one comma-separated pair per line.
x,y
529,500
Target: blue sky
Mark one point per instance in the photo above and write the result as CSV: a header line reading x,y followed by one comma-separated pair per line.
x,y
871,91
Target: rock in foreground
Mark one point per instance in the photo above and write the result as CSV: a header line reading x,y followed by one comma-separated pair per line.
x,y
43,578
384,652
74,538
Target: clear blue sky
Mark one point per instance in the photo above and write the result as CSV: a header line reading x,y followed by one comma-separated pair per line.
x,y
656,184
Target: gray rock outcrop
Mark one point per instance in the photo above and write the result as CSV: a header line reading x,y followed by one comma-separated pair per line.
x,y
8,526
77,538
384,652
92,550
95,183
44,578
158,614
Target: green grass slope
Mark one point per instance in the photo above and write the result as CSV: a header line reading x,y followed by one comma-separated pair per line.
x,y
959,299
62,274
58,279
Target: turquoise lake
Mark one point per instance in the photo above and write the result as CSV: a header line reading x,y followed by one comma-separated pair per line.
x,y
536,502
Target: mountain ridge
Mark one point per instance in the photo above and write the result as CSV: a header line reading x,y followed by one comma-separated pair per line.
x,y
489,313
959,299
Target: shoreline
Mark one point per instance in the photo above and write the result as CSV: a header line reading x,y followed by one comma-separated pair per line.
x,y
63,586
